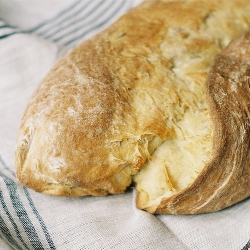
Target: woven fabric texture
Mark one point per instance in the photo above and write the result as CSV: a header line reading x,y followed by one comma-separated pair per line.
x,y
33,35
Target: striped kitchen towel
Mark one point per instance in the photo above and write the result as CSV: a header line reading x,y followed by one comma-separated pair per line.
x,y
33,35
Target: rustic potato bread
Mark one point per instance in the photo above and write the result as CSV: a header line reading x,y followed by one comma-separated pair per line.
x,y
131,105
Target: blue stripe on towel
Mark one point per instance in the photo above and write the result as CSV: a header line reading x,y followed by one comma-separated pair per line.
x,y
38,216
96,26
7,235
86,25
88,16
48,25
74,20
65,27
247,246
22,215
7,35
5,229
6,30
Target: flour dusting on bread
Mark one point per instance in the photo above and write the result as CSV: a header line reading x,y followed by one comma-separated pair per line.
x,y
131,105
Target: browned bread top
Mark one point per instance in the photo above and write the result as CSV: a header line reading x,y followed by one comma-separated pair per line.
x,y
131,98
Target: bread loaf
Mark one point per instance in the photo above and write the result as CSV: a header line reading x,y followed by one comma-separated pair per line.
x,y
130,105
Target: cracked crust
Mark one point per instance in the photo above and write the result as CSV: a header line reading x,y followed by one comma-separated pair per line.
x,y
225,179
128,105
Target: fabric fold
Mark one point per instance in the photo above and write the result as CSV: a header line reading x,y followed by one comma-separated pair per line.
x,y
32,38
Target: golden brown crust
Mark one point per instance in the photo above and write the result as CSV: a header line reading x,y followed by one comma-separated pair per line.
x,y
225,180
114,103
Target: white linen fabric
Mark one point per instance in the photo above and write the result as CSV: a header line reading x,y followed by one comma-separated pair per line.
x,y
33,35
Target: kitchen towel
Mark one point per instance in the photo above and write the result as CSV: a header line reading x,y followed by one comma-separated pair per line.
x,y
34,34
